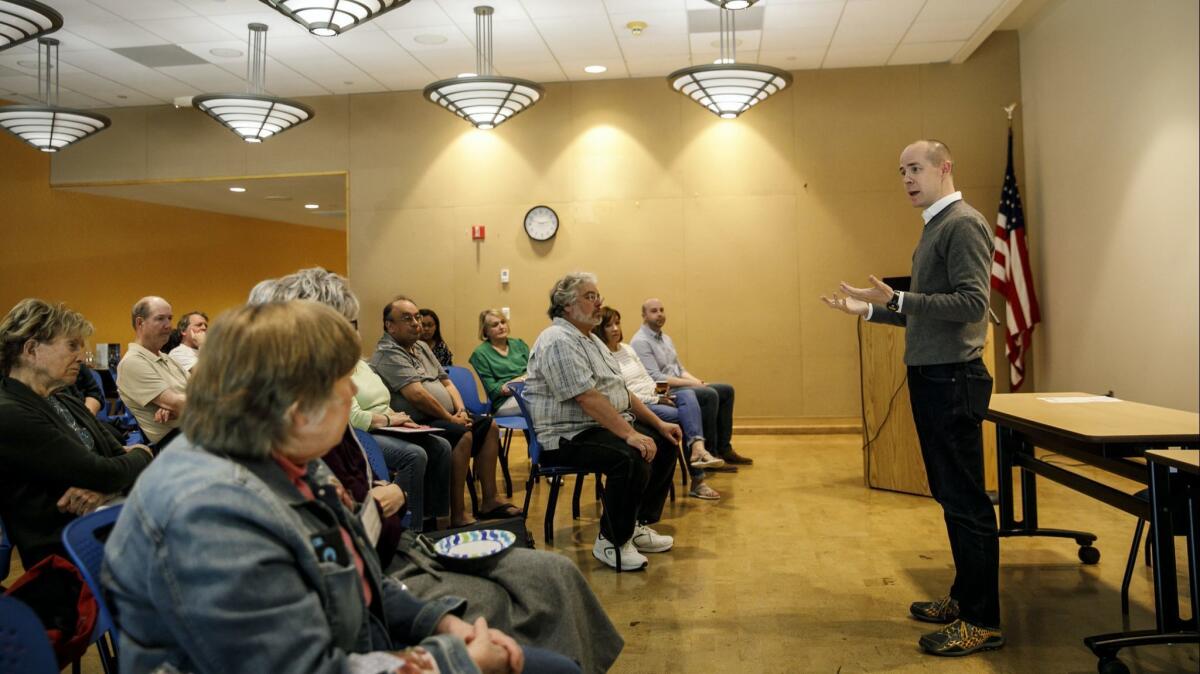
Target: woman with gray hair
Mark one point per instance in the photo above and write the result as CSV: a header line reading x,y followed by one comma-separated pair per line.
x,y
56,460
235,551
421,466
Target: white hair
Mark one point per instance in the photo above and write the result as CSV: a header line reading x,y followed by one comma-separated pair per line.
x,y
566,291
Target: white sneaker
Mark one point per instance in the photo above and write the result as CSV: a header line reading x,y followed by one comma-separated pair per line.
x,y
646,539
631,559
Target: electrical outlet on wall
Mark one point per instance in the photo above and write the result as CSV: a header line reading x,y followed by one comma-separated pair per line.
x,y
505,311
504,276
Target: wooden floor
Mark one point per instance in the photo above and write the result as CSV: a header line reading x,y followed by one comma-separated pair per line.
x,y
800,568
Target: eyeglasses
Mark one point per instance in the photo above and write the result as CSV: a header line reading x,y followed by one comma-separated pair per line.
x,y
415,319
594,298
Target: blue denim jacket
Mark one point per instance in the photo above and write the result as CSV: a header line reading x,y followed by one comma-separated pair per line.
x,y
212,568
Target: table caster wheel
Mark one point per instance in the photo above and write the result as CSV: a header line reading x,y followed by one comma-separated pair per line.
x,y
1111,665
1089,554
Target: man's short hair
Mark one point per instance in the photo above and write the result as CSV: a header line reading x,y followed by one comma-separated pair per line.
x,y
186,321
261,292
937,152
141,309
566,291
387,308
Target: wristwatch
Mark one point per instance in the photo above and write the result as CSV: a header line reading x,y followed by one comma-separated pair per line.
x,y
894,303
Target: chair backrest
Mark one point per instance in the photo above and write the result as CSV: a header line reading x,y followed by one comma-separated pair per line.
x,y
84,540
5,551
24,646
374,455
535,447
464,380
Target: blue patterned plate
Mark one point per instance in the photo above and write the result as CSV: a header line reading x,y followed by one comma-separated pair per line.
x,y
474,545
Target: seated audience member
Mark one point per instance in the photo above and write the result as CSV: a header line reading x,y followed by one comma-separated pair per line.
x,y
680,408
192,329
56,460
431,334
657,352
421,388
87,390
499,360
235,553
585,417
152,385
421,462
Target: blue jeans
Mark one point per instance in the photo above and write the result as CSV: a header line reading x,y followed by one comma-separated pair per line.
x,y
421,466
686,413
948,404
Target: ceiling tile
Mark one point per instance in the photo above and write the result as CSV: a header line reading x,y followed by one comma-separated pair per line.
x,y
408,38
657,24
557,9
793,59
575,70
856,57
82,11
703,43
192,29
941,31
139,10
204,51
655,66
206,78
413,15
116,34
959,10
866,22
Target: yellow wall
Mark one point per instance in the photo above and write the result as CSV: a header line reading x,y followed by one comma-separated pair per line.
x,y
100,254
737,225
1113,149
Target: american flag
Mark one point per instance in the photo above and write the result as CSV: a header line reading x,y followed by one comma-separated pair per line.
x,y
1011,276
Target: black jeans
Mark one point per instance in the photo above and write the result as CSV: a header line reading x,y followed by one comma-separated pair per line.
x,y
948,404
716,411
634,489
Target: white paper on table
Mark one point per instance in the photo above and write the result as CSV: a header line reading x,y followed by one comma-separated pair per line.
x,y
1080,399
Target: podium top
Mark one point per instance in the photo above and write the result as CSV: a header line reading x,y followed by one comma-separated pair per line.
x,y
1092,418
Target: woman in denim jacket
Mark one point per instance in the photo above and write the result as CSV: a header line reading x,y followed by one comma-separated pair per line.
x,y
235,551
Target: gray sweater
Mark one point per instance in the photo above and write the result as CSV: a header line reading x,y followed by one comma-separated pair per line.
x,y
945,312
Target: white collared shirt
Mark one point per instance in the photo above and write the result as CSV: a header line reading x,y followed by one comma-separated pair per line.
x,y
939,206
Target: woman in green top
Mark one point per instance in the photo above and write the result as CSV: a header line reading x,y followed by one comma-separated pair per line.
x,y
499,361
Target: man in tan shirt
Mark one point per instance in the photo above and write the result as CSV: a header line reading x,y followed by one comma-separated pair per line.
x,y
150,382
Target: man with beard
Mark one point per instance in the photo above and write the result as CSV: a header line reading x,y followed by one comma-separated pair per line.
x,y
585,417
150,382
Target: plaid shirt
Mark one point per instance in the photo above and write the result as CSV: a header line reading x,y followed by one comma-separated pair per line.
x,y
565,363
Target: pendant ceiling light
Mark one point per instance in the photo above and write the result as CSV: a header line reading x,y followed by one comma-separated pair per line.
x,y
728,88
49,127
254,116
24,20
327,18
484,99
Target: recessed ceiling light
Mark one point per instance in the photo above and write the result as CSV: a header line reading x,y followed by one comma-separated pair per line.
x,y
430,38
225,52
312,206
237,189
122,96
595,70
467,75
26,63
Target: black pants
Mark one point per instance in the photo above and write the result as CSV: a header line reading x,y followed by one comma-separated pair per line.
x,y
948,403
454,432
634,489
716,411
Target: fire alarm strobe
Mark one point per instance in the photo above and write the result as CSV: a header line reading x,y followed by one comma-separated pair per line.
x,y
478,232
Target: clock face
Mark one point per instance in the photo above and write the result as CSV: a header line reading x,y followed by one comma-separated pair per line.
x,y
541,223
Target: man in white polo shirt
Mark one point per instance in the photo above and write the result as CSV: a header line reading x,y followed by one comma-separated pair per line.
x,y
150,382
193,328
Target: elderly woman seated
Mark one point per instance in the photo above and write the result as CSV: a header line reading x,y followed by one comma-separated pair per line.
x,y
499,361
56,460
235,551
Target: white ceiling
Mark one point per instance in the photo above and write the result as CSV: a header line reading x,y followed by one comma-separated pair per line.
x,y
541,40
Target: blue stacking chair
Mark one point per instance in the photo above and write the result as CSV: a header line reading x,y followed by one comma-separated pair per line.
x,y
84,540
378,464
464,380
121,414
24,646
554,475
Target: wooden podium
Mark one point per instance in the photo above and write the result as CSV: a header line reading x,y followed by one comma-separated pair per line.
x,y
893,460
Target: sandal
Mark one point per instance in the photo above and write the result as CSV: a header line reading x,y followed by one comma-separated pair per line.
x,y
705,492
706,460
502,511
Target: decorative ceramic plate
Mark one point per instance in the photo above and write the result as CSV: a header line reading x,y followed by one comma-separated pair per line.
x,y
475,544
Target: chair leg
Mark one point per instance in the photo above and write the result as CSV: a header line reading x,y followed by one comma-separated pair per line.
x,y
108,656
575,497
1133,553
683,469
529,491
555,483
599,488
672,492
504,462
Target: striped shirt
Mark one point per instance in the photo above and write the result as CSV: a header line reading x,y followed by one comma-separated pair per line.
x,y
565,363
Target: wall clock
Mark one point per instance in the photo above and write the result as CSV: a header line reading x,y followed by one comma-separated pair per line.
x,y
541,223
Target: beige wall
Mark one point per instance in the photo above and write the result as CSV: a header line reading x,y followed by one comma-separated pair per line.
x,y
738,226
1110,92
